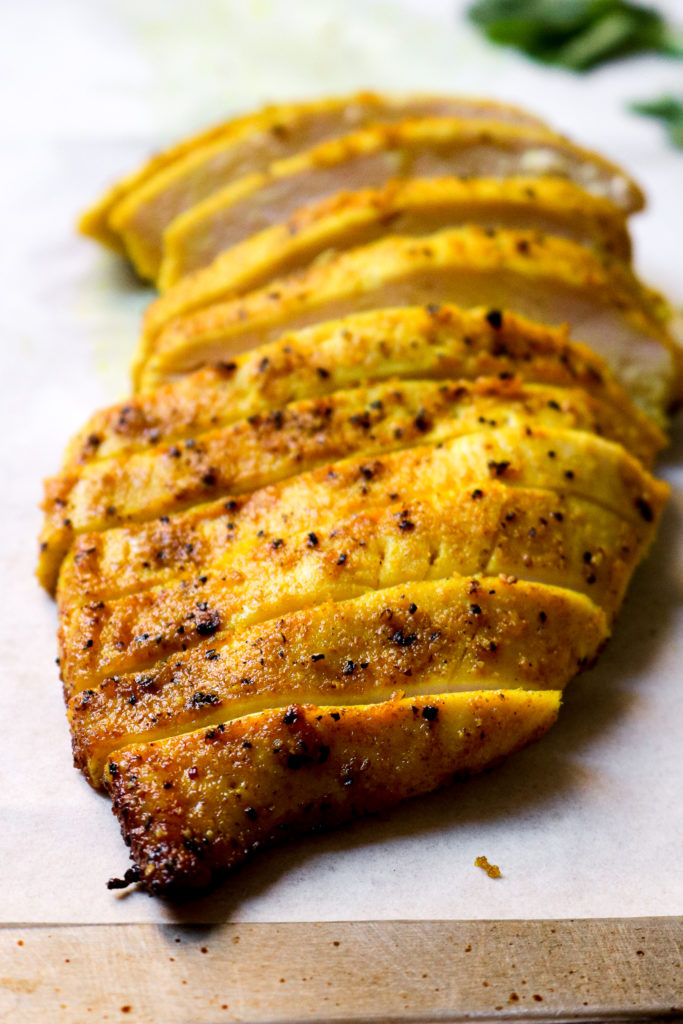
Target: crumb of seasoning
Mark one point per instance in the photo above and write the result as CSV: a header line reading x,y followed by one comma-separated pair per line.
x,y
492,870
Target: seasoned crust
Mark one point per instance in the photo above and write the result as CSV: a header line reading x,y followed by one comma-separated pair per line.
x,y
550,279
419,148
405,640
263,449
194,806
438,342
134,212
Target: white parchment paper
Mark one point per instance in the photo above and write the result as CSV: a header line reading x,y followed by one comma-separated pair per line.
x,y
586,823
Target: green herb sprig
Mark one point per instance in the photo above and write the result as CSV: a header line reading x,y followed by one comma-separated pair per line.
x,y
667,109
576,34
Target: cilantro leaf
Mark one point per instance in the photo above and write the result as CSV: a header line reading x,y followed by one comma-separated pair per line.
x,y
669,110
576,34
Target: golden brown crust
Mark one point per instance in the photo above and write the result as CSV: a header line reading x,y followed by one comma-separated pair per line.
x,y
420,149
260,574
263,449
564,463
415,343
550,278
196,805
405,640
134,212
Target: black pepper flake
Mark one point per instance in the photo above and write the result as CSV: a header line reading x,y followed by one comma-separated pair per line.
x,y
209,626
542,616
322,372
412,608
290,716
477,493
200,699
364,664
246,681
251,813
202,605
312,541
297,761
494,318
569,474
231,505
422,422
403,639
87,644
406,525
367,472
591,579
349,668
212,655
587,557
174,452
435,636
475,609
317,657
277,543
430,713
498,467
113,769
645,509
209,479
335,715
263,365
342,558
433,308
323,754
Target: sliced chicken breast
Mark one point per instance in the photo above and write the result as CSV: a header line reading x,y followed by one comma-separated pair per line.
x,y
424,148
415,206
148,199
526,635
413,343
548,279
187,819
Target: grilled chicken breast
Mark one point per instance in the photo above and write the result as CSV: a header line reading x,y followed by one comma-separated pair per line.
x,y
134,213
195,805
403,640
412,343
548,279
403,207
350,540
422,148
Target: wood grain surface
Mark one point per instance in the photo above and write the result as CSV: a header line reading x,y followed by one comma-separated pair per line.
x,y
371,971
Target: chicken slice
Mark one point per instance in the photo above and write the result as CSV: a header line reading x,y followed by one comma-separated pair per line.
x,y
548,279
437,532
387,344
194,806
172,181
424,148
594,552
565,464
402,207
269,447
409,639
